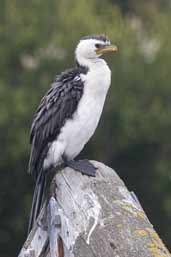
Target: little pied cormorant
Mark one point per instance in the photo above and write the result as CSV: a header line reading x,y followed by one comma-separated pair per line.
x,y
68,115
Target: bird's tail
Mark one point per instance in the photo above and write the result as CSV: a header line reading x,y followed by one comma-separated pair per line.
x,y
38,198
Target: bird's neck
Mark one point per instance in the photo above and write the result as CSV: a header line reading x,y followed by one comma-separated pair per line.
x,y
88,63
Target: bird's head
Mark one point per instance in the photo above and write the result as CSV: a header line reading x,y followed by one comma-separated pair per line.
x,y
92,47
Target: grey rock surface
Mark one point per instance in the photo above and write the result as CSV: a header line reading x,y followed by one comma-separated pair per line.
x,y
99,217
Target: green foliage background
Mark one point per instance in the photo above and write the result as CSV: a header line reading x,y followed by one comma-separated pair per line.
x,y
37,41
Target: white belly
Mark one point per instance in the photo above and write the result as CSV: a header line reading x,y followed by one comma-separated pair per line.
x,y
81,129
78,130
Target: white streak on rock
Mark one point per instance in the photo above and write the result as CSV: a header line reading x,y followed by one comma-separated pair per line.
x,y
79,207
93,212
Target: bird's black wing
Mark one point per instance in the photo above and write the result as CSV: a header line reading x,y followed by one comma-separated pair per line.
x,y
55,108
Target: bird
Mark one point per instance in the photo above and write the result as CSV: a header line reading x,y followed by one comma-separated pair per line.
x,y
68,115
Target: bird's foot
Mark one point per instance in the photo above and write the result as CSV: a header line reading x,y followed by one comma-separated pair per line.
x,y
83,166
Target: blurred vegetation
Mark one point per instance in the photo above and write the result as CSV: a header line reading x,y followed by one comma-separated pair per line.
x,y
37,41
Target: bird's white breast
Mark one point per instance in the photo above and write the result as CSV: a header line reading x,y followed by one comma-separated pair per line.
x,y
78,130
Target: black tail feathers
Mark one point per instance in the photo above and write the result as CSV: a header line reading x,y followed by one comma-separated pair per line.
x,y
38,198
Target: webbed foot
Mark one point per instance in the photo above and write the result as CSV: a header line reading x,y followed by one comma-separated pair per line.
x,y
83,166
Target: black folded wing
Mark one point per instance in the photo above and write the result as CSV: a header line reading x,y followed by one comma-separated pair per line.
x,y
58,105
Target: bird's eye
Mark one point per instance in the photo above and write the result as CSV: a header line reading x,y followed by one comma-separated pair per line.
x,y
97,45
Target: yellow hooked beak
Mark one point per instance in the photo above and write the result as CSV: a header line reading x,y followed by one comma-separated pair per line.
x,y
107,48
